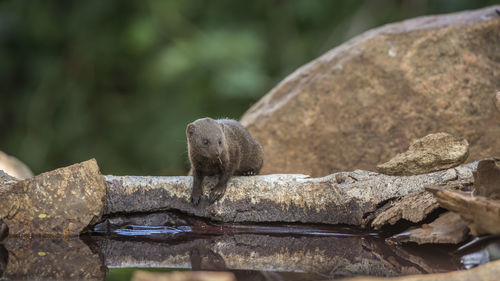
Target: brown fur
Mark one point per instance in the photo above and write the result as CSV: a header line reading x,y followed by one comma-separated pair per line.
x,y
223,148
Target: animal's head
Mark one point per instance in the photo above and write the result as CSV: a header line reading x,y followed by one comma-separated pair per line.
x,y
206,136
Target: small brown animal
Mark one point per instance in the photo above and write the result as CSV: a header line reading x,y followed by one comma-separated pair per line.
x,y
220,147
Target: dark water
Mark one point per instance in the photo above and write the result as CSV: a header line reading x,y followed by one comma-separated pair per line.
x,y
115,249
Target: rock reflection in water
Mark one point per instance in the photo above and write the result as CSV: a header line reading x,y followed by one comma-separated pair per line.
x,y
49,259
325,257
247,251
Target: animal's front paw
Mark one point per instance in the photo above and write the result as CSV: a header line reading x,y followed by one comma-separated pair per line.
x,y
249,173
216,194
195,199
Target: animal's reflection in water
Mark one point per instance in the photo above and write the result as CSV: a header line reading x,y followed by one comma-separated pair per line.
x,y
205,259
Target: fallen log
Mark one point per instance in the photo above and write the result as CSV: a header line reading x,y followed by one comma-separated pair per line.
x,y
343,198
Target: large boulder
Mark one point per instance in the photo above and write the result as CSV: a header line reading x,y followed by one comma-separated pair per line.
x,y
63,202
366,100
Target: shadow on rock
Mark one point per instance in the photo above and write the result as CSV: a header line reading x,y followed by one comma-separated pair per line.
x,y
50,259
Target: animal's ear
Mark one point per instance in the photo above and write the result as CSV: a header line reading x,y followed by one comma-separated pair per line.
x,y
190,130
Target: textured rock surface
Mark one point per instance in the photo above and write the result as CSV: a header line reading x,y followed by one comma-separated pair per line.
x,y
448,228
431,153
487,272
14,167
52,259
481,214
347,197
364,101
5,181
61,202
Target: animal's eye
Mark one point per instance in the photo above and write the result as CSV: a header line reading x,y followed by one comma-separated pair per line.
x,y
205,141
220,142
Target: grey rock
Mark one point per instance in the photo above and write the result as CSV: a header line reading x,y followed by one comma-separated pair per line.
x,y
431,153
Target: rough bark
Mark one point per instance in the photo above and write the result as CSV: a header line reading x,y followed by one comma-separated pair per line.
x,y
414,207
448,228
481,214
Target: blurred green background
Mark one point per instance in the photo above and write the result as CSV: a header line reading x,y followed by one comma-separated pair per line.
x,y
119,80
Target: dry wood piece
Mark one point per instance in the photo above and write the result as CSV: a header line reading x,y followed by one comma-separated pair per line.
x,y
448,228
414,207
481,214
487,179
